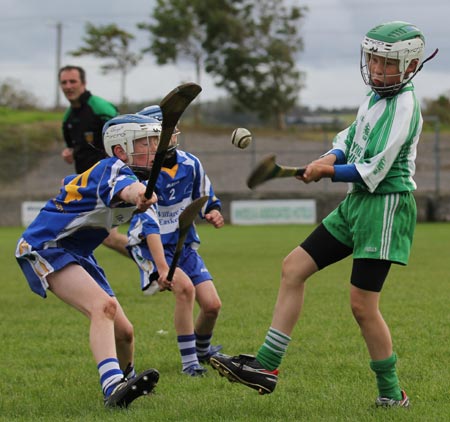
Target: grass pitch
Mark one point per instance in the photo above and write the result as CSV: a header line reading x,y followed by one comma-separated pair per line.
x,y
48,372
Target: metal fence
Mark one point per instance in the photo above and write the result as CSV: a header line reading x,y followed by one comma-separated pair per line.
x,y
226,166
229,167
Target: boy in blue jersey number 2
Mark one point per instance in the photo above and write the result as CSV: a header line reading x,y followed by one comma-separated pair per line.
x,y
55,252
152,239
374,223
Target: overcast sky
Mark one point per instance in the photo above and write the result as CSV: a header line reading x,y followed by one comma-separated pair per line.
x,y
332,32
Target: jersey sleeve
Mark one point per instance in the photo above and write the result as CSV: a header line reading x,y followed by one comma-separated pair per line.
x,y
142,225
343,140
115,177
65,131
102,108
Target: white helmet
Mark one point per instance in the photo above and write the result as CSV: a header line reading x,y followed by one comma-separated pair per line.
x,y
123,130
397,40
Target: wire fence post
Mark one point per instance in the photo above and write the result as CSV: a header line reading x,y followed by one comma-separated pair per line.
x,y
437,154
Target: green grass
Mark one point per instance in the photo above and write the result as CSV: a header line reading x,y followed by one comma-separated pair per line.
x,y
28,134
9,116
48,373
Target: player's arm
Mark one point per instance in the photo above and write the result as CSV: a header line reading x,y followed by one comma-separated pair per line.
x,y
67,155
67,152
65,130
202,185
135,194
157,251
337,173
322,167
214,217
332,165
213,212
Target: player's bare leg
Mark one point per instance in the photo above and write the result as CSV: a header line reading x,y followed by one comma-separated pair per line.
x,y
76,287
124,335
297,267
184,292
365,308
373,327
261,372
210,305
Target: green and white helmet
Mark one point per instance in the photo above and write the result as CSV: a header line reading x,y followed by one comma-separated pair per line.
x,y
397,40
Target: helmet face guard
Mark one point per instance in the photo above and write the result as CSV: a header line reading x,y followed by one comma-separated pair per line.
x,y
125,130
399,41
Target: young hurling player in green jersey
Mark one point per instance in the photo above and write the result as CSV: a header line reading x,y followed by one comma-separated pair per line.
x,y
374,223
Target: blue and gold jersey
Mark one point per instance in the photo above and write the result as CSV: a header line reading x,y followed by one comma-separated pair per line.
x,y
176,188
86,208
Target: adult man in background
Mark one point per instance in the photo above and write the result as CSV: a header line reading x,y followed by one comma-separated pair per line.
x,y
82,130
83,120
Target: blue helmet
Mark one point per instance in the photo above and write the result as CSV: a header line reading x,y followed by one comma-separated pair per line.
x,y
152,111
155,112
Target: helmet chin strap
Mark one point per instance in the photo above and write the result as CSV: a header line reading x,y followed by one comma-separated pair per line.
x,y
432,56
420,67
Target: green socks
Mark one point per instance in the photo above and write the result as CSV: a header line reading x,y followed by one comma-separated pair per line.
x,y
275,345
387,380
272,351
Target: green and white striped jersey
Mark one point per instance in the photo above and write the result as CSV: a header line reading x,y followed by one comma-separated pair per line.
x,y
382,142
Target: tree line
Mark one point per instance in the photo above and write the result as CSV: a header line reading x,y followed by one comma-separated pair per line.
x,y
249,47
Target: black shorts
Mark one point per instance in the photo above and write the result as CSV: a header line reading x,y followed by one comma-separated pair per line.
x,y
325,249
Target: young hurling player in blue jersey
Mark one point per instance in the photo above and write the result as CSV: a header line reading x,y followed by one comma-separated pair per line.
x,y
375,222
152,239
56,251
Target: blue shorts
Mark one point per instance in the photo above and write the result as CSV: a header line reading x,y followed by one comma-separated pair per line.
x,y
190,262
38,264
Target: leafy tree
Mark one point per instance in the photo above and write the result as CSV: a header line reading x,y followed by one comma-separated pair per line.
x,y
12,95
176,34
110,42
249,46
253,52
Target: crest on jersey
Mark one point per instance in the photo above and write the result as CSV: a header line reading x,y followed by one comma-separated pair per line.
x,y
89,137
